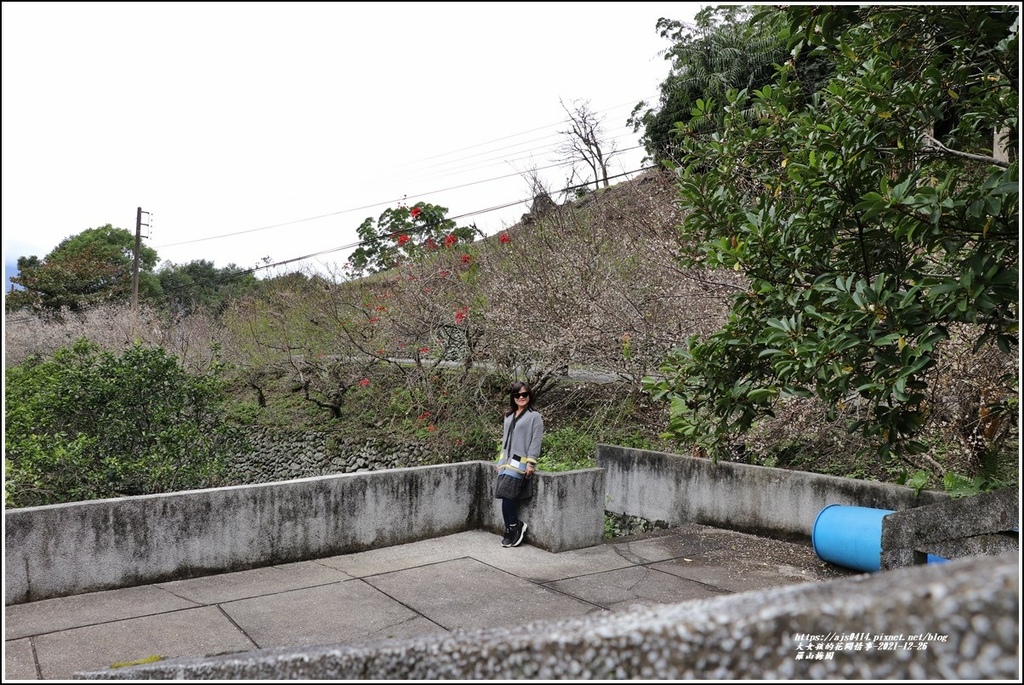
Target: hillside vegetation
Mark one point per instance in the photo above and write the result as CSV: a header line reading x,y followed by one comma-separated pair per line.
x,y
828,279
583,292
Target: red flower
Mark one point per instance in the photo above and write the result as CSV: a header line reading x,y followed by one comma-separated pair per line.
x,y
431,244
425,415
403,239
431,428
466,259
424,350
461,314
442,273
374,319
504,238
365,382
415,212
450,240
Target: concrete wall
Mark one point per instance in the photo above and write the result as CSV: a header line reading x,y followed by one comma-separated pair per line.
x,y
752,499
567,511
69,549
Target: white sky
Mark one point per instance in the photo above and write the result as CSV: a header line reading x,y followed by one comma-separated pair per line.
x,y
224,119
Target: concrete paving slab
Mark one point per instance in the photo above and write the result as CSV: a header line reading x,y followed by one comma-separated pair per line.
x,y
342,612
226,587
63,613
787,558
738,579
524,561
660,545
18,661
409,555
747,562
540,566
461,581
633,586
191,632
468,594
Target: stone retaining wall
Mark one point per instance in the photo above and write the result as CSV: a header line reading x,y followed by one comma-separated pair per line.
x,y
284,455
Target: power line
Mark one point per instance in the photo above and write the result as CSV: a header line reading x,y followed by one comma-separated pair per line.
x,y
359,243
502,158
396,200
370,206
431,192
614,137
498,140
460,216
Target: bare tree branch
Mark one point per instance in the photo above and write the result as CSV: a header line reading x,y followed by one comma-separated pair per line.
x,y
932,142
584,141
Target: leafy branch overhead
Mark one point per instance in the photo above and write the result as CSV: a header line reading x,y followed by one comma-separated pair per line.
x,y
870,217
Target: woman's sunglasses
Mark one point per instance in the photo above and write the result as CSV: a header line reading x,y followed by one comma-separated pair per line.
x,y
520,395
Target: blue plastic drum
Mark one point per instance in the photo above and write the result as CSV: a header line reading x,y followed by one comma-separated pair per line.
x,y
852,537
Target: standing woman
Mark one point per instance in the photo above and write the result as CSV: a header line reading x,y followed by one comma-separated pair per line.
x,y
520,449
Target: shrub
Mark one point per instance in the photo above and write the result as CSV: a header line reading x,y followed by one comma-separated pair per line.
x,y
89,424
567,449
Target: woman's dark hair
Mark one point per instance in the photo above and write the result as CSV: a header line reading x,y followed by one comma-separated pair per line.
x,y
518,387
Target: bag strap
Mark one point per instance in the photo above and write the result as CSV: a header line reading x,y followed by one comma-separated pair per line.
x,y
508,438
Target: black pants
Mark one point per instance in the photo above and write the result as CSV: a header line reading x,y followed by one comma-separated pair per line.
x,y
510,511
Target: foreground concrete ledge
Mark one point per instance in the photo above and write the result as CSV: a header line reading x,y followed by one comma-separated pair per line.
x,y
965,613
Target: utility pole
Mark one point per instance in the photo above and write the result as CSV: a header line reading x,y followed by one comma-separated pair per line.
x,y
135,260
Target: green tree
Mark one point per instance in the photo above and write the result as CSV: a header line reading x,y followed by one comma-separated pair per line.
x,y
91,267
724,49
402,233
89,424
863,236
199,285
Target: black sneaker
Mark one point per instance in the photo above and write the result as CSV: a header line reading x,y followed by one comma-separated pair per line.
x,y
507,540
518,532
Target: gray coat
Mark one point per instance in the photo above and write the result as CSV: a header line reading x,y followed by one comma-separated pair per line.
x,y
526,438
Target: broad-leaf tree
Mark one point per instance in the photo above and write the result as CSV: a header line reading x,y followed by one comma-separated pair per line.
x,y
723,49
86,269
402,233
870,220
200,286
